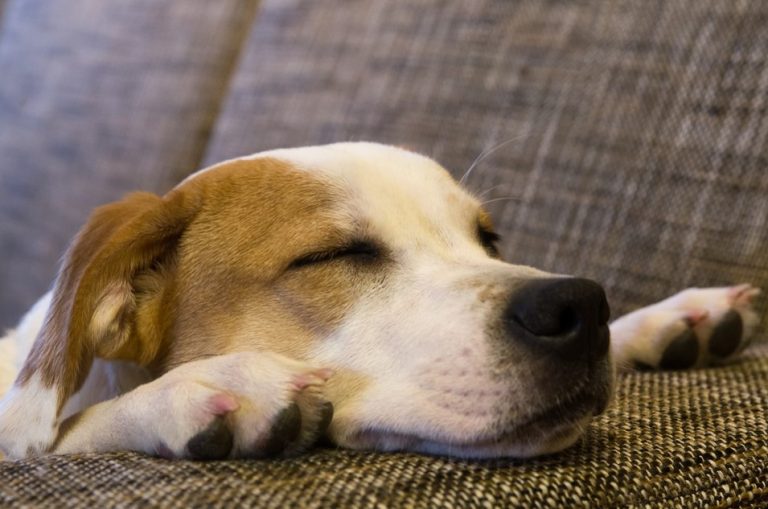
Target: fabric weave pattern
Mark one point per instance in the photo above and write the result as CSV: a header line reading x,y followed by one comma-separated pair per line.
x,y
685,440
641,157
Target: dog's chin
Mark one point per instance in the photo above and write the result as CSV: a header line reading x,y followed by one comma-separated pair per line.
x,y
505,445
548,431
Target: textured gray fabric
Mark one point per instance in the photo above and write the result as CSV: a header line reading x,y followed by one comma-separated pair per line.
x,y
684,440
97,99
642,151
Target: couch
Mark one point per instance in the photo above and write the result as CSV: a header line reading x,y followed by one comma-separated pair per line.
x,y
636,154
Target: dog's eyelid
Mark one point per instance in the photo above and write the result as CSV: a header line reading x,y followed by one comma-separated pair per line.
x,y
487,234
489,239
490,235
357,248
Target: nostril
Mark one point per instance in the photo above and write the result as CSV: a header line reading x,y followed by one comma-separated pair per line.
x,y
564,321
561,322
569,320
515,318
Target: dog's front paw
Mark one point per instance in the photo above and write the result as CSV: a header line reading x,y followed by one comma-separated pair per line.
x,y
28,421
696,327
236,405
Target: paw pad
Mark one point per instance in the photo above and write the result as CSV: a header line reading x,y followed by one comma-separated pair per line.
x,y
726,335
285,430
681,352
213,443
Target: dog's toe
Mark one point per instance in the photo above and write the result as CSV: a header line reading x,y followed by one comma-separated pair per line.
x,y
213,443
727,335
681,352
300,426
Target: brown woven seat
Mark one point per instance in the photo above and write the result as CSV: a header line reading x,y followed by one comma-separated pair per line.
x,y
689,439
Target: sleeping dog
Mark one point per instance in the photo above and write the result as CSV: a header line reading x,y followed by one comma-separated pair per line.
x,y
350,291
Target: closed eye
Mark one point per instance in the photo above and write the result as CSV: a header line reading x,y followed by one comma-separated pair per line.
x,y
489,240
362,251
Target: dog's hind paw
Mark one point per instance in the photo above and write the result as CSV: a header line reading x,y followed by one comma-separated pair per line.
x,y
696,327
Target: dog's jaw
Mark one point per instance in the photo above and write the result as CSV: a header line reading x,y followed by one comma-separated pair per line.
x,y
511,445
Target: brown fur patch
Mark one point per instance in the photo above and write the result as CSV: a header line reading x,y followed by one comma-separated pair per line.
x,y
203,271
484,220
236,287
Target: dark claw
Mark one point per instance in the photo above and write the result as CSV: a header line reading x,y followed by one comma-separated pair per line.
x,y
726,336
213,443
285,430
682,352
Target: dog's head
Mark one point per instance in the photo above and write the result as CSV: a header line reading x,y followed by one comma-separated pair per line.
x,y
372,261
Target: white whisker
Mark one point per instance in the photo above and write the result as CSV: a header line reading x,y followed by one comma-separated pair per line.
x,y
479,196
488,152
500,199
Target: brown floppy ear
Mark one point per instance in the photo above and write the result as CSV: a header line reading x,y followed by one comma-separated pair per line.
x,y
93,312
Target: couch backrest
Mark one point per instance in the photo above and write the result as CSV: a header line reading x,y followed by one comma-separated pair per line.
x,y
639,155
98,99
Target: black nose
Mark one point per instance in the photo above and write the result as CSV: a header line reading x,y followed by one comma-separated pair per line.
x,y
565,316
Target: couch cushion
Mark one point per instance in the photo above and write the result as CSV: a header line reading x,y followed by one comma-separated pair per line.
x,y
640,128
685,439
97,99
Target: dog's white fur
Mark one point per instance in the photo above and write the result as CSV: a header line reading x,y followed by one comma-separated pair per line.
x,y
414,351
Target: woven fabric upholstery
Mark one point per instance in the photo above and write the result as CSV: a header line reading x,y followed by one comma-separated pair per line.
x,y
639,160
678,440
98,99
642,156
